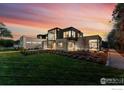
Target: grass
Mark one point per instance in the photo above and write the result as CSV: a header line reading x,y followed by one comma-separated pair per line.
x,y
6,49
40,69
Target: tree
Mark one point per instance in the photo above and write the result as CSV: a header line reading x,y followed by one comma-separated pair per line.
x,y
116,36
105,44
4,32
112,39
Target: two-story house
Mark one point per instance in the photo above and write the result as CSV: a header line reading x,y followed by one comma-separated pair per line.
x,y
69,39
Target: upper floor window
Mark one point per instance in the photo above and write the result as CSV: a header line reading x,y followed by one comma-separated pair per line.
x,y
52,35
66,34
73,34
69,33
93,44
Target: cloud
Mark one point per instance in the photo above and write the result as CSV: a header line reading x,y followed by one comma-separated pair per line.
x,y
46,16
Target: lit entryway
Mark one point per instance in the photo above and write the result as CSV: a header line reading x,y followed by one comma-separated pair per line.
x,y
71,46
54,46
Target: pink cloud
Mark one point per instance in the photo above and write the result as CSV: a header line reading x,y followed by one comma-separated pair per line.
x,y
91,17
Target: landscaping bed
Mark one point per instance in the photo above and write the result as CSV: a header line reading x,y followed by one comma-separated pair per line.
x,y
120,52
94,56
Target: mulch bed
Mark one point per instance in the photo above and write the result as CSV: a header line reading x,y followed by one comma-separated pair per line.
x,y
120,52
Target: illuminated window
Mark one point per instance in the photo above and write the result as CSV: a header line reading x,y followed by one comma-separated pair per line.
x,y
36,42
54,45
28,42
60,44
93,44
52,35
69,35
39,42
73,34
71,46
66,34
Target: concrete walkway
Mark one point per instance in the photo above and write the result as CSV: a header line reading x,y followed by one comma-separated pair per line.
x,y
115,60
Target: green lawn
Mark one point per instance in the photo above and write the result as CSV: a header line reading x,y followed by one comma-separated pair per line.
x,y
16,68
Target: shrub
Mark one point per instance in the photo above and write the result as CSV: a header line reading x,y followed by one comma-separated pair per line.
x,y
6,43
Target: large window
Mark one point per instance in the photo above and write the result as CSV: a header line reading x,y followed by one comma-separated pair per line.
x,y
36,42
52,35
69,34
66,34
93,44
73,34
71,46
60,44
28,42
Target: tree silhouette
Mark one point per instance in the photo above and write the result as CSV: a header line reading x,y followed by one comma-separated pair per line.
x,y
4,32
116,36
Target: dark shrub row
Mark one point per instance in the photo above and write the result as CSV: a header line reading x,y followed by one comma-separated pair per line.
x,y
98,57
30,52
6,43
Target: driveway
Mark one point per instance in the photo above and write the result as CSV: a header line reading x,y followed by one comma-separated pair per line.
x,y
115,60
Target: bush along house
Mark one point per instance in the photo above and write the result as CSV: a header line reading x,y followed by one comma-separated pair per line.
x,y
67,39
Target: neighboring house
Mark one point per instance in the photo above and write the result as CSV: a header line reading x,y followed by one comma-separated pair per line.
x,y
68,39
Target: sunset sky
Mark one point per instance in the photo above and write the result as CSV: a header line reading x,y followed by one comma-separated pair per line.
x,y
33,19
